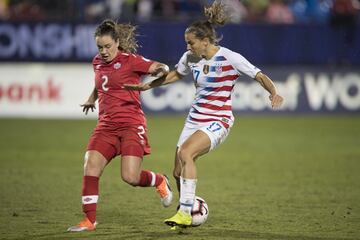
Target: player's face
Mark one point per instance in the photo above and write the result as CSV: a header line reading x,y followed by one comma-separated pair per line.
x,y
195,45
107,46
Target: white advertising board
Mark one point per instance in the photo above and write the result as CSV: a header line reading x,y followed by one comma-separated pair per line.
x,y
44,90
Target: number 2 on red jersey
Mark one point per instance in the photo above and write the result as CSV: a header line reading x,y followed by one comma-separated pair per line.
x,y
103,85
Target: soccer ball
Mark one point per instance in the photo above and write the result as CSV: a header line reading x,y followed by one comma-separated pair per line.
x,y
199,212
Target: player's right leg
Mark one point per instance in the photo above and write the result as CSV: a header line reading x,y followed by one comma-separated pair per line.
x,y
94,165
177,169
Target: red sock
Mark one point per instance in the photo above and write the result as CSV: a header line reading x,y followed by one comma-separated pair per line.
x,y
90,195
150,179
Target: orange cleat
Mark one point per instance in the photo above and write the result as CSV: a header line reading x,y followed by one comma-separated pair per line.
x,y
165,192
84,225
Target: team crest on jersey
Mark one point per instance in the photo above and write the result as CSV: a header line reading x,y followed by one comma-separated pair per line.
x,y
218,68
206,69
98,67
117,65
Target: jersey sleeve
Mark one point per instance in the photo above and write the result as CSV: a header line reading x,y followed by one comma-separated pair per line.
x,y
241,64
140,64
182,67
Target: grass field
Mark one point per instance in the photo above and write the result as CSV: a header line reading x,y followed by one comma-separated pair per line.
x,y
280,177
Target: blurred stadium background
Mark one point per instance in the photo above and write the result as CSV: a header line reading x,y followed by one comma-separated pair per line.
x,y
310,48
296,169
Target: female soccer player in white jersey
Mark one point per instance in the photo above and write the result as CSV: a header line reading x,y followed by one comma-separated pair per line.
x,y
215,70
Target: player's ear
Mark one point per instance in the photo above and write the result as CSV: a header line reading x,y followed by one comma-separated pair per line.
x,y
206,41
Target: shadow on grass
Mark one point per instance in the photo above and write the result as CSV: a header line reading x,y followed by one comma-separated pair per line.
x,y
178,234
230,234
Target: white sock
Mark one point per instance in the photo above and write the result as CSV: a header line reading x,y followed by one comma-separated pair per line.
x,y
187,194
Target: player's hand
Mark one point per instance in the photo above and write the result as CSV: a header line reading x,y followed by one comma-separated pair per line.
x,y
276,101
136,87
161,71
88,105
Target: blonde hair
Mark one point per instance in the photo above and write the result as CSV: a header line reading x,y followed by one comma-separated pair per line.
x,y
124,33
216,13
216,16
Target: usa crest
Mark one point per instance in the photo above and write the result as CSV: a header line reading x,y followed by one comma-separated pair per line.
x,y
206,69
218,69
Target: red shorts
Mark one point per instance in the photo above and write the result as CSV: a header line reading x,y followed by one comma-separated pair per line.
x,y
125,141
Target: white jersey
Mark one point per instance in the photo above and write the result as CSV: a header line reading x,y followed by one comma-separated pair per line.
x,y
214,81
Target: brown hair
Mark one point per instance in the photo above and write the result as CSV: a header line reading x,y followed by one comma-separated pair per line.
x,y
124,33
216,16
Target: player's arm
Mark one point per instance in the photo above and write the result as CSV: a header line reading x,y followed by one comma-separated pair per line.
x,y
171,77
90,103
268,84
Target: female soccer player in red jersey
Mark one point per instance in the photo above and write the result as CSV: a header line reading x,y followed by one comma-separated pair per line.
x,y
215,70
121,128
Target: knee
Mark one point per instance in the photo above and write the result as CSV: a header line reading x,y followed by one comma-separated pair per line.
x,y
92,166
184,156
130,179
176,173
89,164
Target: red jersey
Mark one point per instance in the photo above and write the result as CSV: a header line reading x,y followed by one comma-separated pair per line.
x,y
118,106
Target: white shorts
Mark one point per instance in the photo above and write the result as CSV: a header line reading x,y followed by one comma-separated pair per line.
x,y
215,131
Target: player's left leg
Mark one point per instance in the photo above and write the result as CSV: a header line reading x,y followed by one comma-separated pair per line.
x,y
196,145
134,145
132,173
193,143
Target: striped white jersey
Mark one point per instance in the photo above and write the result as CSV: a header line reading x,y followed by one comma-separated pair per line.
x,y
214,80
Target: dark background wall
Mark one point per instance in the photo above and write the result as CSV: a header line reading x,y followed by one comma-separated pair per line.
x,y
262,44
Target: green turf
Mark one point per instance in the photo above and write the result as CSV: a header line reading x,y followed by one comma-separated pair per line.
x,y
274,178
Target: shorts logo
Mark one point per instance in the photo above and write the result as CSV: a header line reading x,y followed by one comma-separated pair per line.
x,y
206,69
